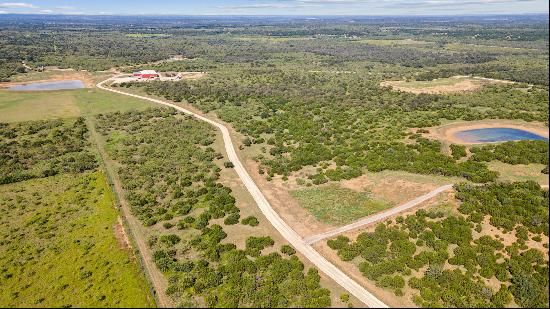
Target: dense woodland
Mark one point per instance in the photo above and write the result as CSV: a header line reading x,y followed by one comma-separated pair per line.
x,y
307,119
168,171
315,99
333,42
520,152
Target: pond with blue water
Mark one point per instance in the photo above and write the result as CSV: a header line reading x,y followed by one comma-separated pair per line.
x,y
56,85
489,135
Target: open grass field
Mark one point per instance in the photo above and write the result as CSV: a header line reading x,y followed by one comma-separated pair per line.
x,y
95,101
486,48
147,35
34,76
58,246
39,105
399,42
519,172
26,106
336,205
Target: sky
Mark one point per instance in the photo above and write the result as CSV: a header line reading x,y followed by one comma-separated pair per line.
x,y
274,7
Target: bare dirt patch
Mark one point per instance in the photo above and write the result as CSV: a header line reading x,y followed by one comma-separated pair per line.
x,y
192,75
443,85
278,194
396,187
446,133
120,234
164,76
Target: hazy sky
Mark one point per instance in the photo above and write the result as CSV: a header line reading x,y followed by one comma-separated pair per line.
x,y
275,7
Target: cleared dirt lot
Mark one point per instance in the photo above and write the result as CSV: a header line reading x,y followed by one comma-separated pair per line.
x,y
171,76
443,85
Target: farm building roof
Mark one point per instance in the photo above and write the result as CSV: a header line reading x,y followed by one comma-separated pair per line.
x,y
146,72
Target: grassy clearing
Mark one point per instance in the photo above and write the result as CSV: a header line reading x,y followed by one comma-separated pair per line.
x,y
148,35
26,106
519,172
33,76
92,102
460,47
440,85
395,176
434,83
398,42
40,105
336,205
58,246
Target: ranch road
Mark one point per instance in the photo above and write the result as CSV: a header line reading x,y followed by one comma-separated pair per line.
x,y
286,231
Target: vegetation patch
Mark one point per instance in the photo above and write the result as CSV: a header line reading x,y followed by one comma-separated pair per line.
x,y
514,152
520,172
44,148
167,169
296,132
32,106
25,106
452,260
335,205
58,247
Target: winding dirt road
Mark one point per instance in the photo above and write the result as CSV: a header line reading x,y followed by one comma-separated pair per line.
x,y
286,231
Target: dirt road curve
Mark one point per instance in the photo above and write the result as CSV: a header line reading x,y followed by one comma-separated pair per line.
x,y
378,217
288,233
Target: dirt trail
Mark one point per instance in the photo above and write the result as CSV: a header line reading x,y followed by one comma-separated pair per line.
x,y
379,216
136,230
284,229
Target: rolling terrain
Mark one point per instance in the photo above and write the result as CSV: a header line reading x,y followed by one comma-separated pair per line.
x,y
306,163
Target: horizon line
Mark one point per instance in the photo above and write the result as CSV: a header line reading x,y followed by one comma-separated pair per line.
x,y
276,15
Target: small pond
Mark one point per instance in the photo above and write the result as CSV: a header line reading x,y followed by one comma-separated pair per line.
x,y
497,135
57,85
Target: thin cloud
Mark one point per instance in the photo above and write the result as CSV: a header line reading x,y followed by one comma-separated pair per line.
x,y
65,8
275,5
17,5
453,2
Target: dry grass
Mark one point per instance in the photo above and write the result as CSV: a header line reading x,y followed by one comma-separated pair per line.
x,y
397,187
519,172
442,85
26,106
